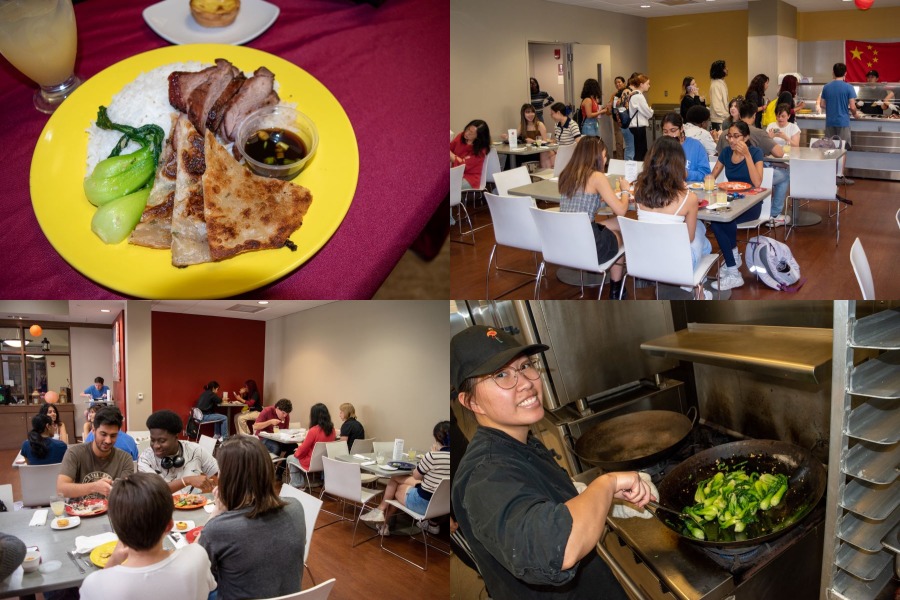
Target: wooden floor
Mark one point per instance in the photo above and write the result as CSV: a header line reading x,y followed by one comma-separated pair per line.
x,y
362,573
826,266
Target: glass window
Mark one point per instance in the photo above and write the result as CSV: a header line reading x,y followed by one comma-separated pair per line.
x,y
11,367
56,340
9,339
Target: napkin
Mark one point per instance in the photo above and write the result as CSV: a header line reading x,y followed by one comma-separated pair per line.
x,y
39,518
367,462
360,456
84,544
209,507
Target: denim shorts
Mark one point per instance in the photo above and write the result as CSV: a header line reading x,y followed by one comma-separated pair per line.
x,y
415,502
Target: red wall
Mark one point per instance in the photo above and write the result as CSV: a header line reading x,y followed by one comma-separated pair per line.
x,y
191,350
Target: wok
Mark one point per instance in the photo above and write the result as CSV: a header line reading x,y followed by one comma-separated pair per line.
x,y
634,440
806,485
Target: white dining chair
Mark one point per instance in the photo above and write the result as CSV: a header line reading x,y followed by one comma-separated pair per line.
x,y
514,228
456,179
208,443
6,496
567,240
862,270
510,179
38,483
335,449
342,481
362,446
315,463
813,180
438,506
712,164
661,252
766,209
618,166
311,507
386,448
320,592
563,156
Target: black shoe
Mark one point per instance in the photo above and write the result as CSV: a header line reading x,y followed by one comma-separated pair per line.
x,y
615,288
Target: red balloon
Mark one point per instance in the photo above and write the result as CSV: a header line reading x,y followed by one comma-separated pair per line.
x,y
863,4
35,330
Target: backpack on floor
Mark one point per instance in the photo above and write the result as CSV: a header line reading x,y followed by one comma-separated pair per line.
x,y
773,263
827,143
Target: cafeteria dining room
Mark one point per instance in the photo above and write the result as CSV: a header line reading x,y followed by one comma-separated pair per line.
x,y
348,419
812,179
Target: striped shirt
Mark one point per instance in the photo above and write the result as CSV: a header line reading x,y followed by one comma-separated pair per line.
x,y
567,133
434,467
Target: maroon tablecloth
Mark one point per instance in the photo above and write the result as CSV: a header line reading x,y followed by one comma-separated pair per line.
x,y
387,66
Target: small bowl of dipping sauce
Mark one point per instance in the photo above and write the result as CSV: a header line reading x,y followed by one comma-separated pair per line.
x,y
277,141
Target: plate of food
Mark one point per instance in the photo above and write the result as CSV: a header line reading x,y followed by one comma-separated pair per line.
x,y
210,21
188,501
387,468
100,555
87,508
65,522
182,526
136,92
696,185
734,186
399,464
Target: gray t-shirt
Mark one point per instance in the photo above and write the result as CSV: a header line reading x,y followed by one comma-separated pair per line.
x,y
257,558
83,466
196,461
758,138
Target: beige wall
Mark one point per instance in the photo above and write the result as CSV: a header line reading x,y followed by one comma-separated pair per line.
x,y
489,52
138,364
91,355
388,358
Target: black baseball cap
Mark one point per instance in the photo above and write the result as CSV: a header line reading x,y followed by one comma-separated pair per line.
x,y
871,73
481,350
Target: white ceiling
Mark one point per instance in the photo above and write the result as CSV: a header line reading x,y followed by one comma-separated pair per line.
x,y
658,9
89,311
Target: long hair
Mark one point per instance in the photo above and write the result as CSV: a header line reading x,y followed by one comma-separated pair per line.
x,y
45,410
662,179
591,89
685,84
253,389
441,433
318,415
758,85
717,70
533,85
40,446
788,84
587,158
524,122
482,141
246,476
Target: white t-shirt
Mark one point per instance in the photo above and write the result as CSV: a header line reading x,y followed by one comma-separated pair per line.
x,y
185,575
790,129
196,461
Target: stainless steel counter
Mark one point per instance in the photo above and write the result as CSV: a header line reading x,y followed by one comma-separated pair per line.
x,y
875,144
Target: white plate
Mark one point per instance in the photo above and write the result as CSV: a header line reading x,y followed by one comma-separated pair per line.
x,y
696,186
73,522
387,468
172,21
190,525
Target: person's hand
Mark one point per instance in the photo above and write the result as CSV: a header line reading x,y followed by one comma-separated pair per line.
x,y
118,556
741,147
702,99
453,525
101,486
201,482
771,133
860,104
624,511
631,487
219,507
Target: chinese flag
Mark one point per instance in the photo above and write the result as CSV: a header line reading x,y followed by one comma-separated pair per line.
x,y
861,57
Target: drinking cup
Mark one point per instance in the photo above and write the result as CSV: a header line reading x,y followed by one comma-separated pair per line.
x,y
39,38
380,458
58,504
32,561
721,197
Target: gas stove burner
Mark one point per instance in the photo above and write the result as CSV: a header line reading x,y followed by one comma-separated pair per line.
x,y
736,559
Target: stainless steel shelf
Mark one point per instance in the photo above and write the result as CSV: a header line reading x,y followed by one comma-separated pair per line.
x,y
877,377
880,330
798,353
875,463
892,540
850,588
867,534
875,421
863,565
870,501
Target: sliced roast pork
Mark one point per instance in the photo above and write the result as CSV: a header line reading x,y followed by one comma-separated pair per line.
x,y
255,93
205,95
182,83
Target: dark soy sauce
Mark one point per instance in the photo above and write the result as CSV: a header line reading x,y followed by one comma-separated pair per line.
x,y
275,147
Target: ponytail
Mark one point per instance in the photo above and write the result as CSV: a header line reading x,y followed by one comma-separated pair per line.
x,y
40,446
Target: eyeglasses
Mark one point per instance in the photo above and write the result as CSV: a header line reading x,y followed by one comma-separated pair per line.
x,y
507,378
734,136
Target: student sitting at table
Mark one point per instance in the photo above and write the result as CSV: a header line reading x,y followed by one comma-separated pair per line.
x,y
255,540
40,448
123,441
662,195
414,491
88,426
741,162
582,187
140,511
321,429
96,392
782,131
207,403
89,469
58,428
270,417
185,466
696,160
351,429
249,395
696,126
470,148
531,129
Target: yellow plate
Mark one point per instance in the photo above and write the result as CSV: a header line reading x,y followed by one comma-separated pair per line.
x,y
102,549
64,214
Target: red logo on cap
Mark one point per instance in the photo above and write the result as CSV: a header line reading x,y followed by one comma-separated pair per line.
x,y
492,333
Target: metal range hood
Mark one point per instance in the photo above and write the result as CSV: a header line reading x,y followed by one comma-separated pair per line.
x,y
795,353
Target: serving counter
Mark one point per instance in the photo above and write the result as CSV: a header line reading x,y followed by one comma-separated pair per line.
x,y
15,423
875,144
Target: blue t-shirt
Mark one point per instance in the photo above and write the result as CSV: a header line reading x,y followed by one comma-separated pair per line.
x,y
123,442
696,159
739,172
96,394
837,95
57,451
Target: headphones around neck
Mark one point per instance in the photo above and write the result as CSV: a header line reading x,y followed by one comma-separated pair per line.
x,y
169,462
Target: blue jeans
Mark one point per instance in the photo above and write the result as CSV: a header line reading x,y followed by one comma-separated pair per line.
x,y
221,422
629,143
700,246
780,180
726,233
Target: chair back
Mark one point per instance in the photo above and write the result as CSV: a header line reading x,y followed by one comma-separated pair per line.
x,y
342,479
208,443
617,166
768,176
491,167
6,496
813,179
315,461
512,221
456,178
658,251
504,180
335,449
386,448
712,165
861,269
320,592
563,156
361,446
311,507
566,239
841,144
439,505
38,483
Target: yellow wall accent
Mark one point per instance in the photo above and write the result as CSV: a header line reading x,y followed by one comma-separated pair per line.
x,y
688,45
871,24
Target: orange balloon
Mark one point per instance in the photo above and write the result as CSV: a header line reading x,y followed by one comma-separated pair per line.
x,y
51,397
36,330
